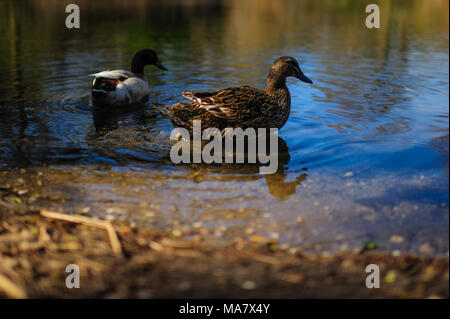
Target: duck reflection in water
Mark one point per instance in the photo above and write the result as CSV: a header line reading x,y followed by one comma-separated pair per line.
x,y
105,120
276,182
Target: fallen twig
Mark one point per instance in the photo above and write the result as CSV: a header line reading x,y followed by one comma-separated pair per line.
x,y
261,258
11,289
113,239
270,260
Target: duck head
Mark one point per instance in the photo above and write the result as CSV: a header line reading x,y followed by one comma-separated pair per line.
x,y
284,67
143,58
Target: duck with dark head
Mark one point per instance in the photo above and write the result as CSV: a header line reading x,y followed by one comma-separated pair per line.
x,y
119,88
240,107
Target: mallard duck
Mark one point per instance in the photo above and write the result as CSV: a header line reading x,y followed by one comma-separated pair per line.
x,y
122,88
242,106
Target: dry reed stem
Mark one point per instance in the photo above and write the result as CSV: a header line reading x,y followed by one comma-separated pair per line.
x,y
113,239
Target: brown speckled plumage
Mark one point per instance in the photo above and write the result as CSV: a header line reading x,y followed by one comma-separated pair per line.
x,y
242,106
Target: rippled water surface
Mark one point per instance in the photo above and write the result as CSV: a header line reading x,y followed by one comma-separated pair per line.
x,y
366,148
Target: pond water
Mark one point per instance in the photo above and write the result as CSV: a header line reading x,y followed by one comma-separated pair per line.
x,y
366,147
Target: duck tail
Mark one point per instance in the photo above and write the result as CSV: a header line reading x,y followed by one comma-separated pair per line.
x,y
162,109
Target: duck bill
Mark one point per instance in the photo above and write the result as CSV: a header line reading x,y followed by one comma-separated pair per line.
x,y
159,65
301,76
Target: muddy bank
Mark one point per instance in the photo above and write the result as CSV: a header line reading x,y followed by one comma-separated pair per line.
x,y
35,250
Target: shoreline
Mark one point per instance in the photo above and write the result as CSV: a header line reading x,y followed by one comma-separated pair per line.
x,y
35,251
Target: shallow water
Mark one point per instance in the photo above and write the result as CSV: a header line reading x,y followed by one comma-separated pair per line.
x,y
366,147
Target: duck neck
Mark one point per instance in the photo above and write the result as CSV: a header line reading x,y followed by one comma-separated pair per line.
x,y
277,89
275,82
137,67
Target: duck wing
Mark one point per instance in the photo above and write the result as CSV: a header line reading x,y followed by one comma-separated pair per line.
x,y
137,89
236,104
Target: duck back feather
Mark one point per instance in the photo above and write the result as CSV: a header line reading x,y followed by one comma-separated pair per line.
x,y
118,88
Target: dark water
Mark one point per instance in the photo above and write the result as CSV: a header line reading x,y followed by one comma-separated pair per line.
x,y
366,147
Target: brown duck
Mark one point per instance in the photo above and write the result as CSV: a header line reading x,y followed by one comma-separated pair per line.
x,y
242,106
